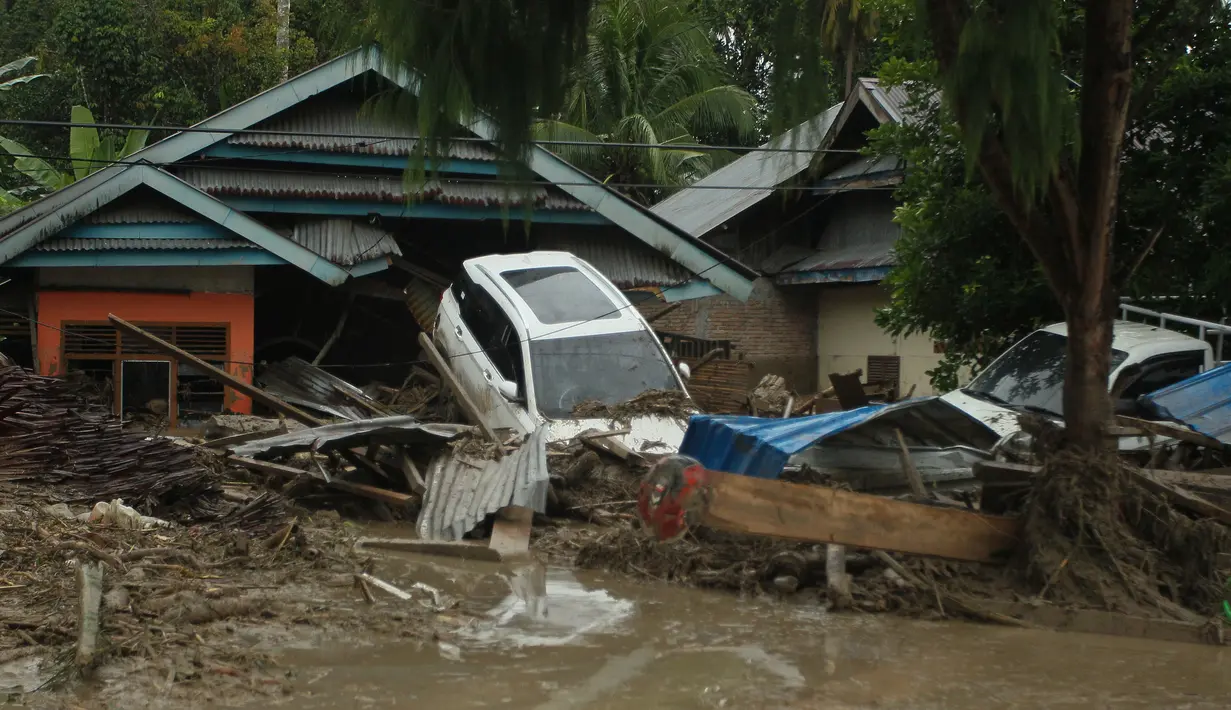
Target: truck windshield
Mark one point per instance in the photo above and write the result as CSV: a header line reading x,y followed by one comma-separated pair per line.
x,y
610,368
1031,374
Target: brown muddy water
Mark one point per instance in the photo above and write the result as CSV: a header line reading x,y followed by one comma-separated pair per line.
x,y
557,639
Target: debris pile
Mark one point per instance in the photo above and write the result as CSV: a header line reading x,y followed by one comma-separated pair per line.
x,y
667,403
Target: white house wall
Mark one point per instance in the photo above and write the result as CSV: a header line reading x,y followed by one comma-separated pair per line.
x,y
847,334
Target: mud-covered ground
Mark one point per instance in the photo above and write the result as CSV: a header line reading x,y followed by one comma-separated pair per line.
x,y
189,615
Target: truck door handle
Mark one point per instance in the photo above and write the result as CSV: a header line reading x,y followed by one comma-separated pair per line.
x,y
457,329
487,375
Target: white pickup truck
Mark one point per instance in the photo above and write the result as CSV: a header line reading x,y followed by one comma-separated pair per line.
x,y
531,336
1029,377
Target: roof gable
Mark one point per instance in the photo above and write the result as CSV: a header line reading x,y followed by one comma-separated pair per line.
x,y
25,227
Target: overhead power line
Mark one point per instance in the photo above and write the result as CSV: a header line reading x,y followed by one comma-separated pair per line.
x,y
462,139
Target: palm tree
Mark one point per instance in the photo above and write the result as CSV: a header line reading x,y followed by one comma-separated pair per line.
x,y
650,75
848,26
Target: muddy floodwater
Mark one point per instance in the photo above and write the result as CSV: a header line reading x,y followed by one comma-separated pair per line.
x,y
557,639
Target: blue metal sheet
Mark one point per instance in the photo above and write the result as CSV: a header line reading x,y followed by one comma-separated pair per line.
x,y
153,257
320,157
419,211
760,447
1202,402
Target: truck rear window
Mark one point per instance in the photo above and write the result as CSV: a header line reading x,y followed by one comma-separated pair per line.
x,y
561,294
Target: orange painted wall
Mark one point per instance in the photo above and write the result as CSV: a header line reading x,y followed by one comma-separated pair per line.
x,y
58,307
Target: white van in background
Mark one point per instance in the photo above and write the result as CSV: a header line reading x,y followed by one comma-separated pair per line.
x,y
531,336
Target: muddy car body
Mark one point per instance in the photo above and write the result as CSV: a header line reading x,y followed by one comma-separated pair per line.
x,y
531,336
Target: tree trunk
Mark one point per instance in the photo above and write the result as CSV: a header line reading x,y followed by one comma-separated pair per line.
x,y
283,37
1087,404
851,51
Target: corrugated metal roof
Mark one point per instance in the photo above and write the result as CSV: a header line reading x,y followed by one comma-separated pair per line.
x,y
336,114
755,446
624,260
324,186
299,382
866,165
892,100
423,300
345,242
1202,402
702,207
462,491
80,244
151,212
860,234
399,429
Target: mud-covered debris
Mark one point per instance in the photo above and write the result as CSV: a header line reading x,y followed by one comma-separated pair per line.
x,y
666,403
771,394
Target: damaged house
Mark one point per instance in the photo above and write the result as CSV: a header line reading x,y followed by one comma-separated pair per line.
x,y
287,226
816,219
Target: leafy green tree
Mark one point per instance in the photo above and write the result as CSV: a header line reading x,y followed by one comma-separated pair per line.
x,y
88,151
651,76
849,26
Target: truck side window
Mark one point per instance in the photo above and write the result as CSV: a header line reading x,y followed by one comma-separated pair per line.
x,y
1164,371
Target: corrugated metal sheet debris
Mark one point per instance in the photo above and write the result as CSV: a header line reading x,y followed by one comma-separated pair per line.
x,y
345,115
79,244
628,262
1202,402
423,300
860,234
145,212
860,256
462,491
701,208
323,186
864,166
345,242
299,382
756,446
401,429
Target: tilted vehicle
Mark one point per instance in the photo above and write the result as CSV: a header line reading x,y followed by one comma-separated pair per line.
x,y
531,336
1029,377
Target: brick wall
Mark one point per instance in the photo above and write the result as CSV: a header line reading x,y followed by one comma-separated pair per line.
x,y
775,329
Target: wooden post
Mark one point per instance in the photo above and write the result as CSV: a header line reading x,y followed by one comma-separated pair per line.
x,y
337,333
511,532
394,498
447,374
414,479
90,597
908,469
837,582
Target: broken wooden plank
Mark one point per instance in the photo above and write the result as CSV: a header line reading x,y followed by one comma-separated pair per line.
x,y
837,581
414,479
1170,430
706,359
609,445
217,374
913,479
1195,480
385,586
89,599
463,397
1004,472
460,549
511,531
664,312
1094,621
394,498
361,401
1183,499
816,514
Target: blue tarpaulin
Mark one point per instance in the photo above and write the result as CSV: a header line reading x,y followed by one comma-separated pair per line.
x,y
1203,402
756,446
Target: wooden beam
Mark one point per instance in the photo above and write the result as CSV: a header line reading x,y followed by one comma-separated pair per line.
x,y
908,468
1180,498
446,373
217,374
792,511
393,498
1195,480
414,479
1094,621
460,549
663,313
373,408
1170,430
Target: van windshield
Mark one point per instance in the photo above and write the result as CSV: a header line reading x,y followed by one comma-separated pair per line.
x,y
1030,374
610,368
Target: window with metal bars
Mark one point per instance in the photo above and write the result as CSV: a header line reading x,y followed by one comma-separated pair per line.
x,y
100,339
885,370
